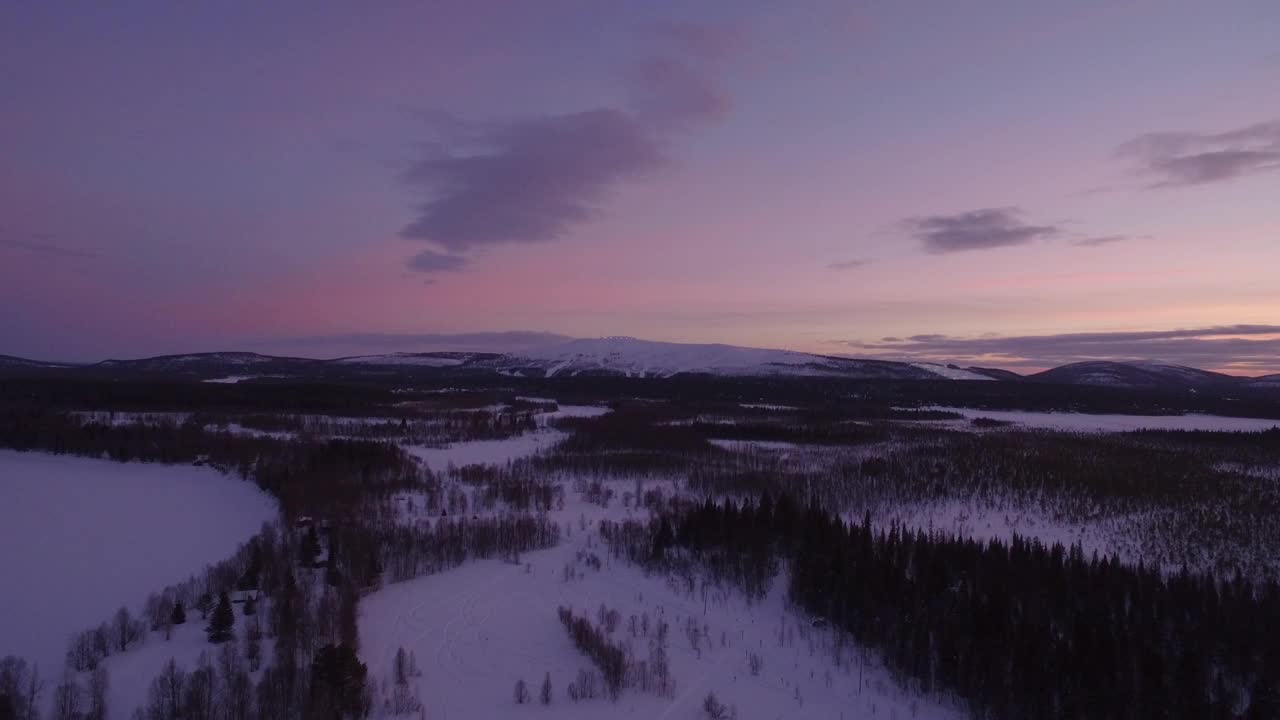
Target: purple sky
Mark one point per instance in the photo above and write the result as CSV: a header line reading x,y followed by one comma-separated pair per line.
x,y
1016,184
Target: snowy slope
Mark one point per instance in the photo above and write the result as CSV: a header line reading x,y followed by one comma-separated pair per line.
x,y
413,359
645,358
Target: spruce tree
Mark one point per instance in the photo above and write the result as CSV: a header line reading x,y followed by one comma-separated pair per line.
x,y
222,621
179,615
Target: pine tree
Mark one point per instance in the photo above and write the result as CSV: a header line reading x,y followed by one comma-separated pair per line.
x,y
179,615
222,621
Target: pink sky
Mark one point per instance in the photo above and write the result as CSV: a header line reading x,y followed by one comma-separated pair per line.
x,y
182,178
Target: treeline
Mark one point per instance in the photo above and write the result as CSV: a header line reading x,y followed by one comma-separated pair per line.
x,y
609,658
309,477
1014,629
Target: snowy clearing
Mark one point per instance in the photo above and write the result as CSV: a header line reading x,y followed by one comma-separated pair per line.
x,y
477,629
69,526
486,452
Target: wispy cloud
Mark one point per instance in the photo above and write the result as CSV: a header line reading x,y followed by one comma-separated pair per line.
x,y
1100,240
848,265
1248,348
533,180
430,261
1189,158
976,230
45,248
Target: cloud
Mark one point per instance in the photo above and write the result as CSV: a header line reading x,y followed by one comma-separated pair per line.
x,y
535,179
1099,241
1187,158
848,265
430,261
671,95
45,248
976,230
1243,347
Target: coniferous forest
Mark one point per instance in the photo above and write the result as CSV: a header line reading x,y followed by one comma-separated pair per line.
x,y
870,518
1014,629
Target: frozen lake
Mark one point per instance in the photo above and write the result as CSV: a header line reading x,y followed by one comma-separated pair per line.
x,y
80,537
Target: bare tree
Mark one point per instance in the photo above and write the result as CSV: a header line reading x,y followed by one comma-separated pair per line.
x,y
98,684
714,709
125,629
545,694
66,698
253,644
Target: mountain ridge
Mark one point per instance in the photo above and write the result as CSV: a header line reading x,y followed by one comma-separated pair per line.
x,y
632,357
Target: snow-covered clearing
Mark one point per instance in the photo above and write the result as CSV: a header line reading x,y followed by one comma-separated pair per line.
x,y
131,672
741,445
486,452
1082,422
477,629
985,521
80,538
574,411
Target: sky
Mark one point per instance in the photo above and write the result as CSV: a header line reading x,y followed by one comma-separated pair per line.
x,y
1005,183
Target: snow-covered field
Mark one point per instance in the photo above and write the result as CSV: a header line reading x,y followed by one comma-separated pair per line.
x,y
478,629
486,452
72,531
1116,423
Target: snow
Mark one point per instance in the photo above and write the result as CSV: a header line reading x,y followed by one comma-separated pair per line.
x,y
486,452
73,531
575,411
401,359
767,406
950,373
987,520
646,358
130,673
1081,422
477,629
231,379
740,445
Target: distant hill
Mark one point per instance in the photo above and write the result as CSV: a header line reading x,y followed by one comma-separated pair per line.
x,y
630,357
1152,376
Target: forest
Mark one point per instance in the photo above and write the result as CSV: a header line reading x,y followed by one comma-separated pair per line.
x,y
730,484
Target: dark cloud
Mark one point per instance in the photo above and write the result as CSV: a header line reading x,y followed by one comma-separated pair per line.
x,y
848,265
1186,158
976,230
1245,347
533,180
430,261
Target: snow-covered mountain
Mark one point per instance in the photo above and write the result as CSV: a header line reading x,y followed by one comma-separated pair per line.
x,y
407,359
631,357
